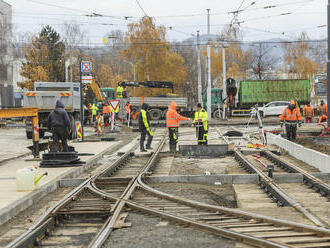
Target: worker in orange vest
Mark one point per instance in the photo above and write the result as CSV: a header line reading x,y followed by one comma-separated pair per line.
x,y
173,122
308,113
106,114
128,109
323,118
99,120
322,108
291,116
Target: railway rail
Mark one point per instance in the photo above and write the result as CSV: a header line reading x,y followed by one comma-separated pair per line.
x,y
87,216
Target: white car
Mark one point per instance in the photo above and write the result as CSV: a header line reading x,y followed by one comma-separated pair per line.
x,y
273,108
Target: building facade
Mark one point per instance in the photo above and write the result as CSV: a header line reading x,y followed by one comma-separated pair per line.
x,y
6,56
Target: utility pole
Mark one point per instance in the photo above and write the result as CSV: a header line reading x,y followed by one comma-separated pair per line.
x,y
199,70
81,103
328,65
208,59
224,90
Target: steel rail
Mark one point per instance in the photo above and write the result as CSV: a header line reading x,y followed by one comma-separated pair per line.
x,y
108,227
275,191
260,242
317,184
48,220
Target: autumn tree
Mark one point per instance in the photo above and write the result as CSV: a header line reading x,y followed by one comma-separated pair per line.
x,y
106,77
45,58
298,59
152,55
237,60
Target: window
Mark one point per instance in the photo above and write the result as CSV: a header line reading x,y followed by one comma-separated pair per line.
x,y
271,105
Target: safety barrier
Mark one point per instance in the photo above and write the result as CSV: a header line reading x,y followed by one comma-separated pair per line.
x,y
309,156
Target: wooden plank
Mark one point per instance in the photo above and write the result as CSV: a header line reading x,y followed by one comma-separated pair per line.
x,y
260,229
281,234
314,245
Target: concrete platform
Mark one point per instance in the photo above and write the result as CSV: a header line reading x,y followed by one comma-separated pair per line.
x,y
12,201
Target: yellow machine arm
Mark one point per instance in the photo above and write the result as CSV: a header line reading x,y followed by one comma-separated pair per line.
x,y
94,86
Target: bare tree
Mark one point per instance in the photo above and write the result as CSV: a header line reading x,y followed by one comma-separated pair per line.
x,y
73,37
262,59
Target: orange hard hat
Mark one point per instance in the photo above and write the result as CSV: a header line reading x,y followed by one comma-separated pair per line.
x,y
292,102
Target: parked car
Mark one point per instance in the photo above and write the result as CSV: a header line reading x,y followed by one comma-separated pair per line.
x,y
273,108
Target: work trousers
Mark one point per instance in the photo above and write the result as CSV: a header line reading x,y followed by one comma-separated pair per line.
x,y
143,137
291,131
173,133
60,133
308,119
106,120
202,135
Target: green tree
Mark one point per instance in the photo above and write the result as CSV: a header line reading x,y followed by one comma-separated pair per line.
x,y
46,55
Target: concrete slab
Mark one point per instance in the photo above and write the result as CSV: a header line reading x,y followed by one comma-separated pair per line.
x,y
203,151
12,202
314,158
13,144
249,179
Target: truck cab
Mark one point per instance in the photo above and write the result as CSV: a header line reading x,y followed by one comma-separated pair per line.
x,y
108,93
216,102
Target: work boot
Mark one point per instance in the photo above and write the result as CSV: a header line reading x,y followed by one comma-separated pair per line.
x,y
173,148
149,148
143,150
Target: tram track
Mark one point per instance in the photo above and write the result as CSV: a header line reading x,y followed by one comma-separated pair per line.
x,y
93,209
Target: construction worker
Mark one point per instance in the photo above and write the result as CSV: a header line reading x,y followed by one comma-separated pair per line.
x,y
106,114
99,120
200,122
94,111
128,110
323,118
59,124
144,128
291,116
172,122
322,108
308,113
120,90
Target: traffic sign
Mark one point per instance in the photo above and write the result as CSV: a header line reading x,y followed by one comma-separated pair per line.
x,y
79,132
114,104
86,79
87,67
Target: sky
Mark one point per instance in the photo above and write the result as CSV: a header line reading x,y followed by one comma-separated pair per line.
x,y
258,19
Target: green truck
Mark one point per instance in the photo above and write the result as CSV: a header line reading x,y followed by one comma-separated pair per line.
x,y
251,92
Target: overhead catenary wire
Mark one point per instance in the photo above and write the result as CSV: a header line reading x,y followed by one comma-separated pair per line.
x,y
144,12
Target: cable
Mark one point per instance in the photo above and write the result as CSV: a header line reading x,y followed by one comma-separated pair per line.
x,y
138,3
57,6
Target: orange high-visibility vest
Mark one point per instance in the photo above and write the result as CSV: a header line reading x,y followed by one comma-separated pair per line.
x,y
127,108
172,117
289,115
323,108
322,118
308,111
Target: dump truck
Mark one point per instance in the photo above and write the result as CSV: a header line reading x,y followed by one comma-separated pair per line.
x,y
243,95
44,97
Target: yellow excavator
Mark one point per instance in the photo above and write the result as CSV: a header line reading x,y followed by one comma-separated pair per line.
x,y
97,92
